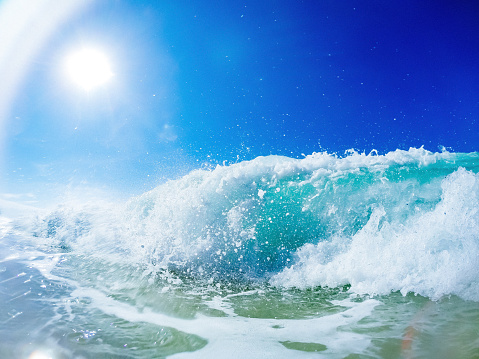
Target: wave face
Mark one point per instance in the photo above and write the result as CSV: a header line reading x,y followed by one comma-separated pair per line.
x,y
406,221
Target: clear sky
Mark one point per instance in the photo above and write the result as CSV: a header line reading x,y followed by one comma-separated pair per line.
x,y
196,82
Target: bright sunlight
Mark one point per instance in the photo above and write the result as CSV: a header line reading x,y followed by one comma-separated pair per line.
x,y
88,68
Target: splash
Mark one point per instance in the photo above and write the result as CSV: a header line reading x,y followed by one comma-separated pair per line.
x,y
405,221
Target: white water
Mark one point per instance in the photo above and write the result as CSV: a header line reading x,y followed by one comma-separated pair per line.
x,y
235,336
195,259
407,221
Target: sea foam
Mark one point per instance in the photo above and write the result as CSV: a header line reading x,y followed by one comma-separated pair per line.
x,y
431,253
405,221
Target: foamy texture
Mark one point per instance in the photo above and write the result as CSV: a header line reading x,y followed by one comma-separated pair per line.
x,y
433,253
403,221
235,336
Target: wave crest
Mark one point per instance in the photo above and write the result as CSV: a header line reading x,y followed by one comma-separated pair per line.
x,y
404,221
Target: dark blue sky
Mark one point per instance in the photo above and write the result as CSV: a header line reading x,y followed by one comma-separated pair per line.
x,y
207,81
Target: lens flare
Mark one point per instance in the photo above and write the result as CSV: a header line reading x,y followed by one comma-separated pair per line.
x,y
39,355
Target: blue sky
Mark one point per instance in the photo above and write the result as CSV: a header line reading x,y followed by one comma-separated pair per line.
x,y
203,82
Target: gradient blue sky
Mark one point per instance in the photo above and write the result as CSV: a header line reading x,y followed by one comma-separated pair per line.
x,y
203,82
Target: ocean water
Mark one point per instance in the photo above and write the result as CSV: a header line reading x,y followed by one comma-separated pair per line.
x,y
361,256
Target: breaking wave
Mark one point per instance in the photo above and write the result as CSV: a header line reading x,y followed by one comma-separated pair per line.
x,y
406,221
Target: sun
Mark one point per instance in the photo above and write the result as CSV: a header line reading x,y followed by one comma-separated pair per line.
x,y
88,68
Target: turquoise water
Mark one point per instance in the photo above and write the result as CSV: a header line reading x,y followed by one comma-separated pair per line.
x,y
364,256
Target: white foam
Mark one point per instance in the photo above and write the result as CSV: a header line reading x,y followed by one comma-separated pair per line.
x,y
208,222
240,337
434,253
177,213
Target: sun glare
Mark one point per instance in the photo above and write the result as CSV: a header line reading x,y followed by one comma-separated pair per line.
x,y
88,68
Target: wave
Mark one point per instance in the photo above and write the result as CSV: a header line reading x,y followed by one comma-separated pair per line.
x,y
406,221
